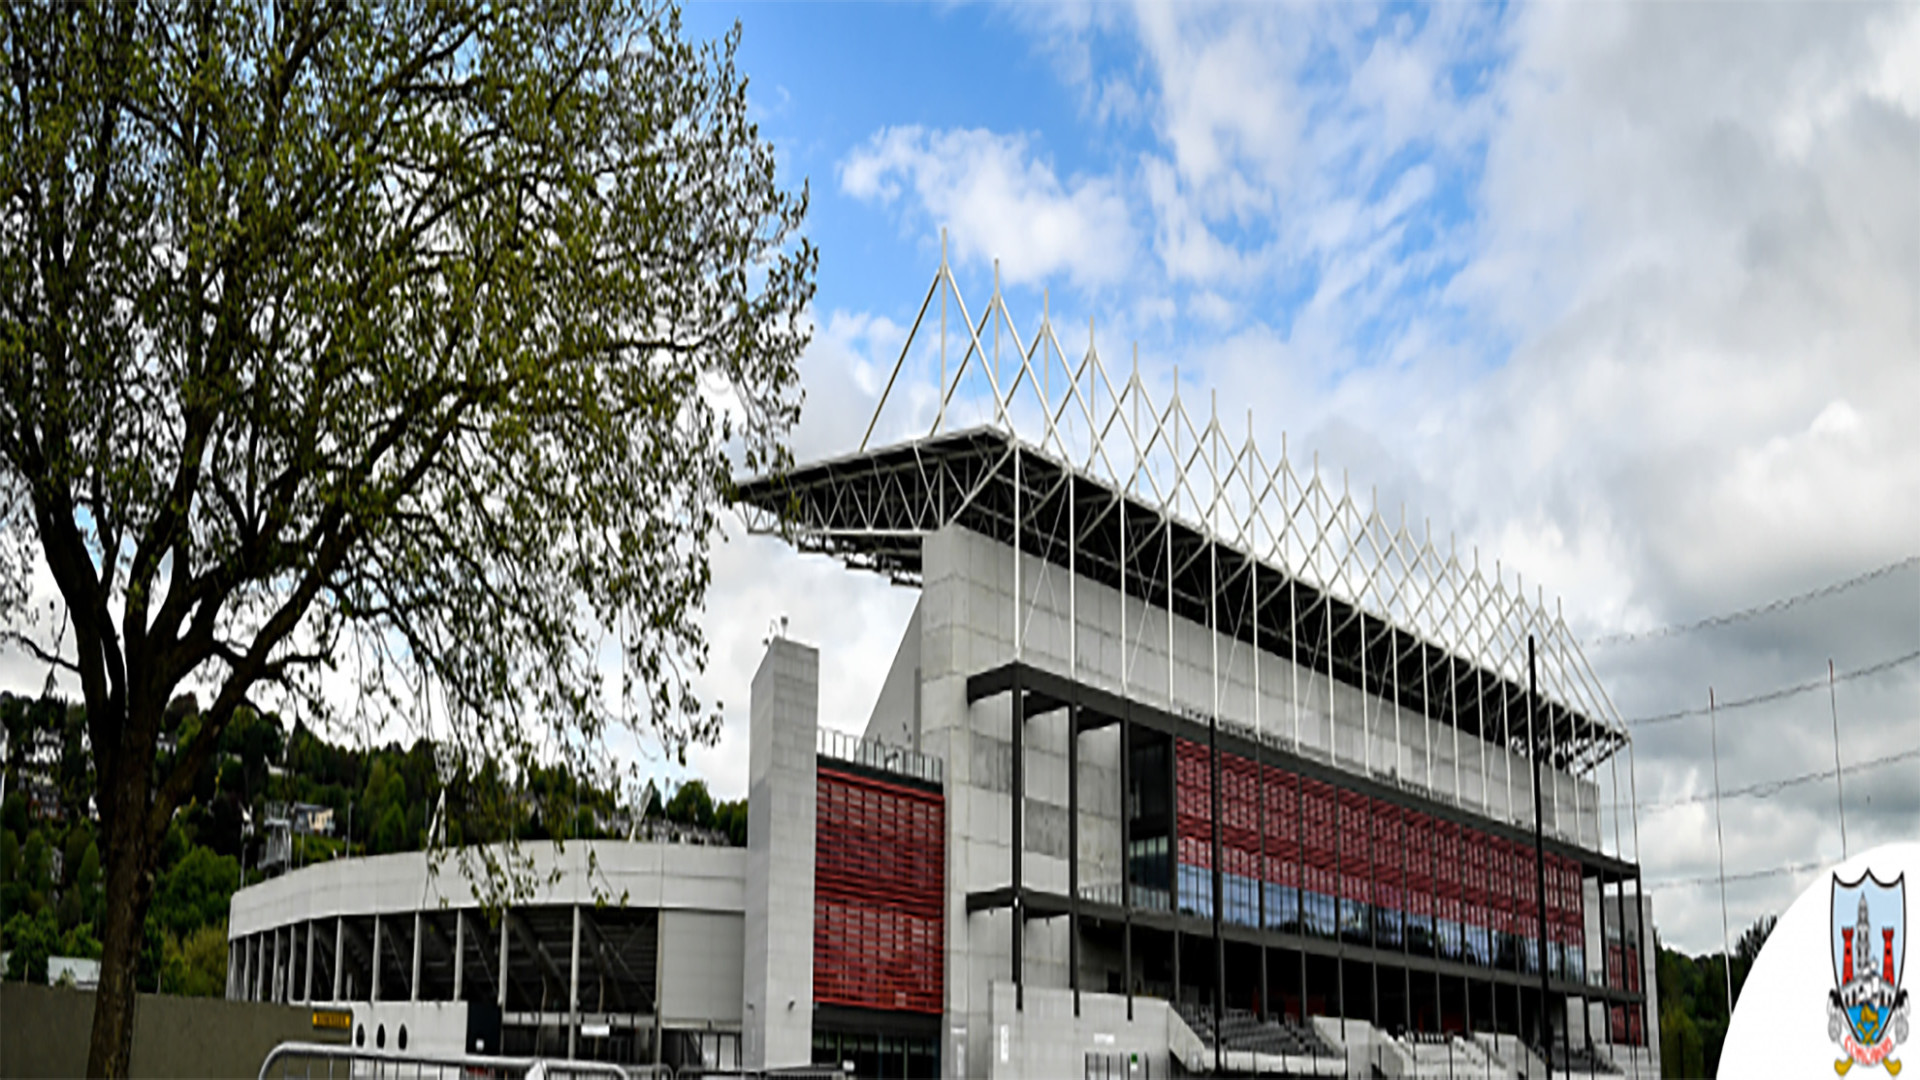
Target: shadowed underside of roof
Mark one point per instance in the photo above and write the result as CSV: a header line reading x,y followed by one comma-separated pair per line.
x,y
873,510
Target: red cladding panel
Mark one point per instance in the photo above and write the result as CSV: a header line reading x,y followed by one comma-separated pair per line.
x,y
1343,843
879,891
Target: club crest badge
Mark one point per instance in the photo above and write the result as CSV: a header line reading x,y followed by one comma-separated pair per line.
x,y
1867,1009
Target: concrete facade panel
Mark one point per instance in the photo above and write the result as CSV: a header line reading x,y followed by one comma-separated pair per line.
x,y
672,876
701,965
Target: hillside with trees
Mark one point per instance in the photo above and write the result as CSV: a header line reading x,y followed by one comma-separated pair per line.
x,y
374,801
1693,1002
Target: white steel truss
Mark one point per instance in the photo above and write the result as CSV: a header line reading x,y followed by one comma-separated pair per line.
x,y
1052,455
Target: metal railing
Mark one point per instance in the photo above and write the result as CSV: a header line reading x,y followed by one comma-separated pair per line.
x,y
342,1062
1144,898
842,746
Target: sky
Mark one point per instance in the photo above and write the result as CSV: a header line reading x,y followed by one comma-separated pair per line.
x,y
1626,296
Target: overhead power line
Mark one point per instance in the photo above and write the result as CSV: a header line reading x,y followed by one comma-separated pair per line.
x,y
1768,788
1751,875
1783,692
1744,614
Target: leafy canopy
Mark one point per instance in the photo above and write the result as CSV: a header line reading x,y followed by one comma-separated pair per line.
x,y
396,354
409,341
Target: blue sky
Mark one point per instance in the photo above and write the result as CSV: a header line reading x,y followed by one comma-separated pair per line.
x,y
1160,202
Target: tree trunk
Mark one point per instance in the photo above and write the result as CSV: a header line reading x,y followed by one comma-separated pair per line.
x,y
123,793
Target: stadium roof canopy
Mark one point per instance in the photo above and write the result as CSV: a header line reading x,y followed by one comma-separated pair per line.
x,y
1160,503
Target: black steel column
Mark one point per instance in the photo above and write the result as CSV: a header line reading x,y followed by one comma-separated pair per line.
x,y
1404,843
1486,860
1539,861
1266,1005
1339,885
1566,1043
1219,893
1493,951
1260,788
1073,848
1466,994
1439,997
1019,907
1373,909
1640,946
1629,977
1173,832
1300,880
1126,845
1176,958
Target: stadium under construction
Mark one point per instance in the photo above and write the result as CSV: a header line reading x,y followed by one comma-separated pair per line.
x,y
1188,762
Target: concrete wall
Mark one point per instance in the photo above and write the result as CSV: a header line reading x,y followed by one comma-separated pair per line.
x,y
1045,1039
966,618
777,984
44,1031
1591,1021
669,876
895,719
701,963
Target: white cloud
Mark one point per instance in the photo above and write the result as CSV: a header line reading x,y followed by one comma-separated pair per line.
x,y
1700,234
999,200
1668,364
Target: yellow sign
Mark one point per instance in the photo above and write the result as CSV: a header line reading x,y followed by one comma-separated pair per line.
x,y
338,1019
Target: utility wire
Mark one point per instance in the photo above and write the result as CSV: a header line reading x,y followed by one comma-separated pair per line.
x,y
1783,692
1744,614
1769,788
1751,875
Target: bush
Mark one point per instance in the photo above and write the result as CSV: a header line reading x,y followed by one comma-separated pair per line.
x,y
197,966
194,892
30,940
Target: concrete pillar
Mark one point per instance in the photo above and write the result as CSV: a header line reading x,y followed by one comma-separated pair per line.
x,y
503,959
233,967
306,989
459,955
374,989
777,1026
413,984
339,954
573,986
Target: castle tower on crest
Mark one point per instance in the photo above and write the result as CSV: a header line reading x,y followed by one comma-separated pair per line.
x,y
1864,962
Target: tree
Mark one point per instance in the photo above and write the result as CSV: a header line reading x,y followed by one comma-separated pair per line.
x,y
1693,1001
196,965
29,940
415,342
194,892
1680,1051
731,819
691,805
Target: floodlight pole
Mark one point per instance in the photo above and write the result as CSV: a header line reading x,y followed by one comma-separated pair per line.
x,y
1839,789
1720,836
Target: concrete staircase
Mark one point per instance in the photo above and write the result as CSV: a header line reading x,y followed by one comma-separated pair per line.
x,y
1247,1044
